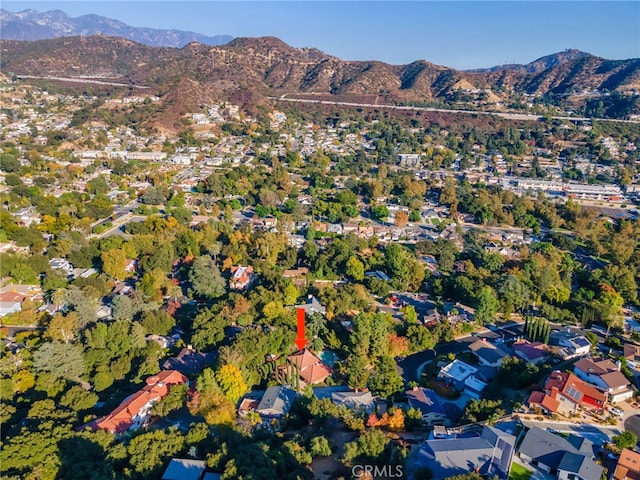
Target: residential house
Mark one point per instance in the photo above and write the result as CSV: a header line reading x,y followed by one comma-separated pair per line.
x,y
462,377
11,246
360,401
12,296
188,469
313,305
457,312
489,454
632,353
573,344
241,277
427,402
535,353
605,375
455,374
134,411
628,467
566,458
311,368
61,264
488,354
431,317
379,275
430,216
131,265
27,216
296,241
298,276
564,393
276,401
334,228
188,361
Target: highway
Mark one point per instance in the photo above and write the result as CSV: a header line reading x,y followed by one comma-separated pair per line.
x,y
507,116
82,80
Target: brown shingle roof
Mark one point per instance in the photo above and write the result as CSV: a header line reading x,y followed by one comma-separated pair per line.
x,y
628,466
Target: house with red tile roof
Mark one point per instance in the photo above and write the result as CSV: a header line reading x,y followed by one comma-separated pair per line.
x,y
12,296
311,368
241,277
564,393
135,410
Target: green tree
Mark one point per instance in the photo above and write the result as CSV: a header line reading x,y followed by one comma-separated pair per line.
x,y
206,279
355,268
63,360
231,383
357,373
626,439
114,263
386,380
77,399
487,305
174,400
320,447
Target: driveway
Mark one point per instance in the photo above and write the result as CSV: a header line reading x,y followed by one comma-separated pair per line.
x,y
598,434
538,474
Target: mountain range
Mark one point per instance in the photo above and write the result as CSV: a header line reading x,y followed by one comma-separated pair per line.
x,y
34,25
247,70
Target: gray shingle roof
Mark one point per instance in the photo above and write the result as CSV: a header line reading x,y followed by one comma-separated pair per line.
x,y
490,454
551,450
276,401
425,400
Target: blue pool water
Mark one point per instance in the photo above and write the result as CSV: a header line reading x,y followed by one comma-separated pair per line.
x,y
327,357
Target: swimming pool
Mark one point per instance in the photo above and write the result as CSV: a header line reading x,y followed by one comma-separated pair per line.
x,y
327,357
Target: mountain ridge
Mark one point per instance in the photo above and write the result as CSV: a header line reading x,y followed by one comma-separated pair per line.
x,y
247,70
31,25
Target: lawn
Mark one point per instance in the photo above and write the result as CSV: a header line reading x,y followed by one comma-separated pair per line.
x,y
518,472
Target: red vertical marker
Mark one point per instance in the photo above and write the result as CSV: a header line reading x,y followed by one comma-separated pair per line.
x,y
300,340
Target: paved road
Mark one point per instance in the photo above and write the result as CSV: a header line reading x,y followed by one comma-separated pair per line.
x,y
632,424
82,80
508,116
596,433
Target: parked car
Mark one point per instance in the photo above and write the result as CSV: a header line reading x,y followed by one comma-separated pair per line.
x,y
616,411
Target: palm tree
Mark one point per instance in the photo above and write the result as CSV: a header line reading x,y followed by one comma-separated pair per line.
x,y
58,298
175,294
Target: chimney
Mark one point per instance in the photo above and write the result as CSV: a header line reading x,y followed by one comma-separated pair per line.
x,y
554,392
189,347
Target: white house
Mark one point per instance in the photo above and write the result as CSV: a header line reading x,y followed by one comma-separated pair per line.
x,y
605,375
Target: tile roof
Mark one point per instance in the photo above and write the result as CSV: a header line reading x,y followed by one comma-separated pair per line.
x,y
123,417
312,370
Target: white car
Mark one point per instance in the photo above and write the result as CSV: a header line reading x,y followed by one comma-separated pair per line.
x,y
616,411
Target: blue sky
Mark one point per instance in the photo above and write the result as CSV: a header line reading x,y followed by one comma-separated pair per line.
x,y
460,34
